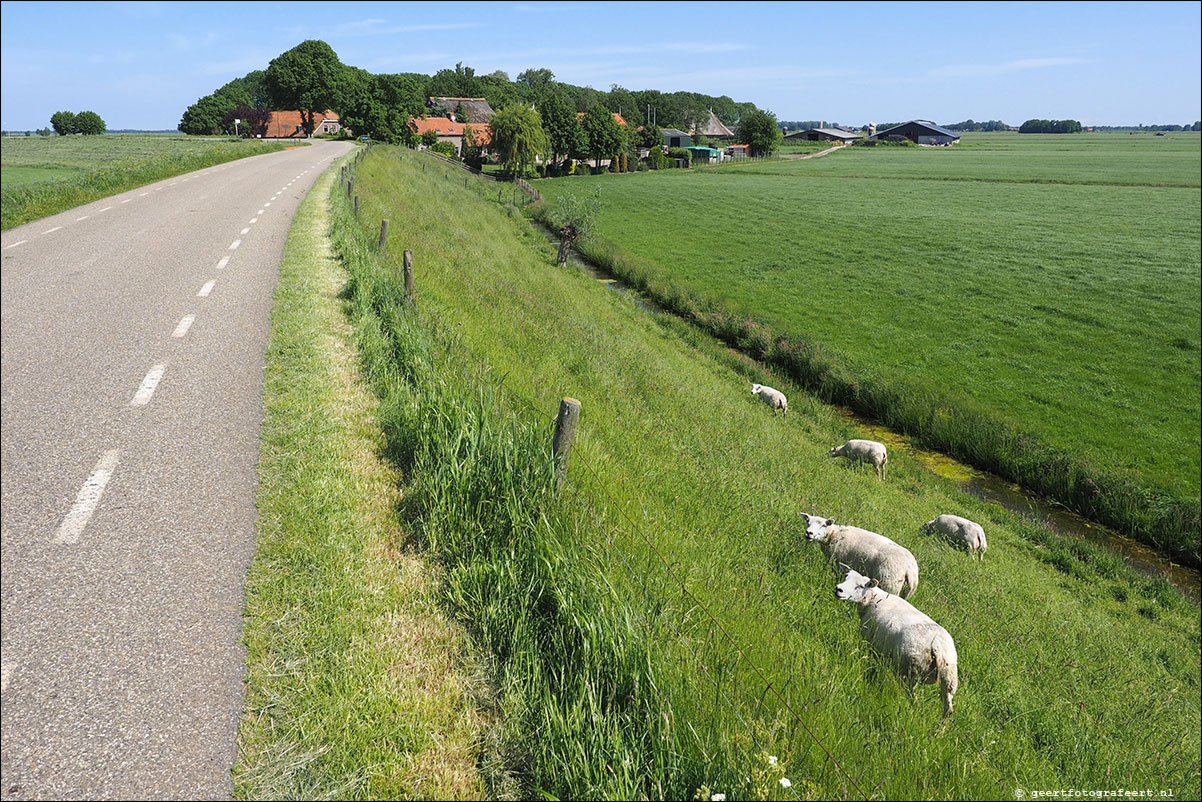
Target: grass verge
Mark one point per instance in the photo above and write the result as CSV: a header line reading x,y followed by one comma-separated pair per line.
x,y
356,684
33,201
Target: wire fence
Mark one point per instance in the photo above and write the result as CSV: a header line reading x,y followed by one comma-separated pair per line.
x,y
769,687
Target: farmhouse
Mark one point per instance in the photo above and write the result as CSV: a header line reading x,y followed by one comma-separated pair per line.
x,y
450,131
824,134
920,131
289,125
463,109
675,138
736,152
714,129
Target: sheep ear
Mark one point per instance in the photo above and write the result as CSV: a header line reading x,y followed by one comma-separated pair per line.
x,y
874,583
845,566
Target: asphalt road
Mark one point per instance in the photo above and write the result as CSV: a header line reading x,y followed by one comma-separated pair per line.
x,y
132,350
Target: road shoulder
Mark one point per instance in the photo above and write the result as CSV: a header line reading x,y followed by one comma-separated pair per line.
x,y
357,685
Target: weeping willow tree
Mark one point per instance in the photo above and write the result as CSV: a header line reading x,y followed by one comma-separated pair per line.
x,y
518,137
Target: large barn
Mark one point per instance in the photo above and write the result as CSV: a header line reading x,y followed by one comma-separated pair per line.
x,y
920,131
825,134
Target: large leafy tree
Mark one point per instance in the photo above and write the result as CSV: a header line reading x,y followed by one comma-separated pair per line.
x,y
63,122
380,106
564,134
89,123
760,132
251,122
518,137
203,118
605,137
308,78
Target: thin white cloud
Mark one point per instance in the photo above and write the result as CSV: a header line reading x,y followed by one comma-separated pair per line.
x,y
979,70
380,27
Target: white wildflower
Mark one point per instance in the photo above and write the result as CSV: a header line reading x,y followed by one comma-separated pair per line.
x,y
771,760
718,798
784,783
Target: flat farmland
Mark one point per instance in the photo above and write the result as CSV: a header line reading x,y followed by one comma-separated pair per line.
x,y
41,176
1060,304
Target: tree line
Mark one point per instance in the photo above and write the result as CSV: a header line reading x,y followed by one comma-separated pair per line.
x,y
311,78
1050,127
87,123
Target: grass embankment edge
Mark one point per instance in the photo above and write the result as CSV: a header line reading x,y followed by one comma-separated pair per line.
x,y
1113,498
23,204
357,686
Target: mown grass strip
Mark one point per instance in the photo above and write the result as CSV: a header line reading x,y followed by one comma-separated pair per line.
x,y
358,687
1073,670
32,201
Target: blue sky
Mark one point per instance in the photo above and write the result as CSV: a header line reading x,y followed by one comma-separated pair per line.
x,y
139,65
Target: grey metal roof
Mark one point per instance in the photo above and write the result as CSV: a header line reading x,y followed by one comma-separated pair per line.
x,y
925,124
672,132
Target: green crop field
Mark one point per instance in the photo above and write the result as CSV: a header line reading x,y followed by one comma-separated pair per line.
x,y
659,628
41,176
1068,310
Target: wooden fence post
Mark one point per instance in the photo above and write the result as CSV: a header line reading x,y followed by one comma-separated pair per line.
x,y
408,263
350,187
356,206
383,233
565,433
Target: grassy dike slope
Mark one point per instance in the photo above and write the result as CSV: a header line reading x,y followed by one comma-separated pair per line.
x,y
683,499
356,686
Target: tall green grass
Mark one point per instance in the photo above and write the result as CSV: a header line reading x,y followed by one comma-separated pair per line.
x,y
101,166
619,673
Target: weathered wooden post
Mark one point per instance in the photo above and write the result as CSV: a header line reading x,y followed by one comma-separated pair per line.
x,y
356,206
408,267
383,233
499,191
350,187
565,433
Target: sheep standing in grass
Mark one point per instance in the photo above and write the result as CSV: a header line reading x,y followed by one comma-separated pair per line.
x,y
961,532
772,397
875,555
863,451
921,650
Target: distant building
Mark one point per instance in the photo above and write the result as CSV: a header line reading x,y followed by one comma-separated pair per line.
x,y
920,131
736,151
705,155
463,109
713,129
675,138
450,131
824,134
290,125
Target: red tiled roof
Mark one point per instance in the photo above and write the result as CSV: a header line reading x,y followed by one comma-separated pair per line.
x,y
444,126
617,118
289,124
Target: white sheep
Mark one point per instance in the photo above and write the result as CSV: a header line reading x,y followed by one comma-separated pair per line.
x,y
863,451
921,650
961,532
772,397
875,555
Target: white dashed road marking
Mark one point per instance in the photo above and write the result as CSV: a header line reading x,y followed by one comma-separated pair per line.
x,y
206,289
142,397
105,209
85,217
245,231
254,220
87,499
49,230
15,244
234,245
225,260
184,325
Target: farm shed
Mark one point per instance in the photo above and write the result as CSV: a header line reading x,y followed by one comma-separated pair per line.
x,y
825,135
289,125
920,131
705,155
675,138
464,109
736,152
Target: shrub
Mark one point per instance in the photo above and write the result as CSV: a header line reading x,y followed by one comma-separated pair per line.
x,y
681,153
444,148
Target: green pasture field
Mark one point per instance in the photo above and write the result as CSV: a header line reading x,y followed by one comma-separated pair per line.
x,y
1174,160
635,618
1070,311
803,146
41,176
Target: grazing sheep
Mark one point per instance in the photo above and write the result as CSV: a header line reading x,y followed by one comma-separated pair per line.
x,y
921,650
772,397
863,451
961,532
875,555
